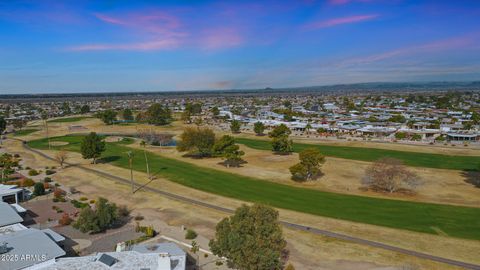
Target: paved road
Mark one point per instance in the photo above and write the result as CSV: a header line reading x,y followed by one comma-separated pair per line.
x,y
284,223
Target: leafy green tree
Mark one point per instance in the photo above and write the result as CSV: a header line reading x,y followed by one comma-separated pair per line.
x,y
7,163
106,213
235,126
228,150
309,166
103,217
158,115
108,116
398,118
280,142
259,128
215,111
38,189
197,141
251,239
85,109
400,135
87,221
279,131
127,114
3,126
92,147
66,108
193,108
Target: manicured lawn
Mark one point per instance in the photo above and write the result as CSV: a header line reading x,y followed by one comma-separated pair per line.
x,y
416,159
456,221
68,119
25,132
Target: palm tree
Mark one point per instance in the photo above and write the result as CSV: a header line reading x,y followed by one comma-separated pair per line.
x,y
308,127
45,122
144,145
130,155
195,248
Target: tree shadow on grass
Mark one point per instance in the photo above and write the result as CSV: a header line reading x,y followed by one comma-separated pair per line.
x,y
472,177
108,159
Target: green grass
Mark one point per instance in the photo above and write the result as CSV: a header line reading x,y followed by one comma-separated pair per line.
x,y
455,221
68,119
416,159
25,132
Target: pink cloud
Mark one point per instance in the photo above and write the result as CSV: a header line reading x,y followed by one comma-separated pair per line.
x,y
139,46
436,46
339,21
221,38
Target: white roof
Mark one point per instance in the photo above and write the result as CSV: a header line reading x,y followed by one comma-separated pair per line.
x,y
9,189
8,215
34,243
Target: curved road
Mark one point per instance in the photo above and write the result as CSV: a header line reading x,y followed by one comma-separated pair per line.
x,y
284,223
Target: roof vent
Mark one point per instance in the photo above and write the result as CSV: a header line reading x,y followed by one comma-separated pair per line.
x,y
107,260
3,248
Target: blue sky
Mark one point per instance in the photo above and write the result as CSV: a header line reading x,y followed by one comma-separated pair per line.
x,y
91,46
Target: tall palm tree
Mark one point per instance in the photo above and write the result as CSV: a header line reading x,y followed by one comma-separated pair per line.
x,y
45,122
130,155
144,145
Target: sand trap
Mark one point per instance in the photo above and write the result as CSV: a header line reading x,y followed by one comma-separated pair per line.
x,y
113,139
58,143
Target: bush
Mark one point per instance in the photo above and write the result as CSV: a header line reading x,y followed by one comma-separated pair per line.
x,y
33,172
92,201
190,234
138,217
83,199
47,179
50,172
16,156
65,220
27,182
38,189
58,193
78,204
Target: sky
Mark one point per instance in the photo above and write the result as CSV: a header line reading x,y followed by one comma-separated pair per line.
x,y
116,46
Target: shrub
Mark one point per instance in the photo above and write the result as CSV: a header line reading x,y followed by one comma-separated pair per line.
x,y
78,204
50,172
92,201
38,189
83,199
190,234
47,180
58,193
65,220
27,182
16,156
138,217
33,172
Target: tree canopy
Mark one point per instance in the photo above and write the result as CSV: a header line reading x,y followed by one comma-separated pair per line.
x,y
251,239
235,126
197,141
127,114
158,115
309,166
259,128
103,217
226,148
107,116
280,142
92,146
